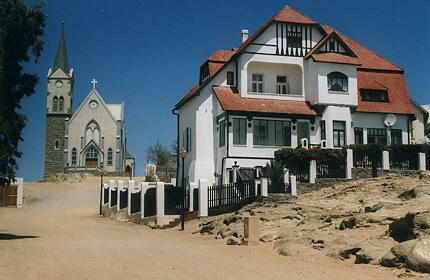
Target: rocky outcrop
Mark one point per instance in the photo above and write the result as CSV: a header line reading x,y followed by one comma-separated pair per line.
x,y
413,254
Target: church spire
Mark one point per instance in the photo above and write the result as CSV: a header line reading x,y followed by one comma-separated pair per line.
x,y
61,60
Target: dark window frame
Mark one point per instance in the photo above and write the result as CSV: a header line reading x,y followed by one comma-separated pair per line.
x,y
222,133
74,157
294,39
280,130
396,137
337,82
110,157
230,78
239,126
323,132
337,134
358,133
374,95
377,134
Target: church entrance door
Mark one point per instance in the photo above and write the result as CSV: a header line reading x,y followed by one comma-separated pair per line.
x,y
91,158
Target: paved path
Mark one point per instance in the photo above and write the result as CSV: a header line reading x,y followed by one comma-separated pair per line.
x,y
59,235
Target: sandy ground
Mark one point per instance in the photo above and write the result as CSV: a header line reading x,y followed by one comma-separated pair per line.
x,y
59,235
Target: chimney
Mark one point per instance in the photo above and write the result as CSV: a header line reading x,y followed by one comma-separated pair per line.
x,y
244,35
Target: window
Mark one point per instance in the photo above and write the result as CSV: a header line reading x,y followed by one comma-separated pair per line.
x,y
281,85
109,157
322,130
337,81
294,39
57,145
222,128
230,78
74,156
272,133
374,95
204,73
92,132
55,104
186,140
257,83
358,135
376,136
239,131
61,104
331,45
91,153
396,137
339,133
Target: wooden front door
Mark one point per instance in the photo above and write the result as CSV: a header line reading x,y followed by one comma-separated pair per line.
x,y
91,162
91,158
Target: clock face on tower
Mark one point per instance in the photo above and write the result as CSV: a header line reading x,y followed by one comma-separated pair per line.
x,y
58,84
93,104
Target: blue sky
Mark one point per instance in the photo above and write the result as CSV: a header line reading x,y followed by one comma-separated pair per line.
x,y
148,53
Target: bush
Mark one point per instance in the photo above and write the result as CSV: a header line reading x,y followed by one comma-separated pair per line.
x,y
406,156
275,172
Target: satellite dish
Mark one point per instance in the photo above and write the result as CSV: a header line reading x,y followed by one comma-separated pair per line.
x,y
390,120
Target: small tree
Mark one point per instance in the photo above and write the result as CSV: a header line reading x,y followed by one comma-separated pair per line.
x,y
21,27
160,155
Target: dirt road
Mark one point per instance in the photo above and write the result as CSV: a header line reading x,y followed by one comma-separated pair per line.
x,y
59,235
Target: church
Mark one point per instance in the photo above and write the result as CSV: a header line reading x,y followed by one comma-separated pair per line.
x,y
93,138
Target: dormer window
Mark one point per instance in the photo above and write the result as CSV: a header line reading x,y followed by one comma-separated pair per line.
x,y
337,82
230,78
257,82
374,95
281,85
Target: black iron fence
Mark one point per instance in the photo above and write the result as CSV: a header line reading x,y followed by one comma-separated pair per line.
x,y
105,195
113,197
195,199
173,200
123,199
331,170
230,197
150,203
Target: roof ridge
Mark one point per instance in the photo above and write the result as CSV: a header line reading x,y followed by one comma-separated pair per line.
x,y
300,13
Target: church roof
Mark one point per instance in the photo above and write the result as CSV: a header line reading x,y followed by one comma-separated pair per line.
x,y
128,155
116,111
61,59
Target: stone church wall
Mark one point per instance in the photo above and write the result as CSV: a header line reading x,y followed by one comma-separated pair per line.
x,y
54,131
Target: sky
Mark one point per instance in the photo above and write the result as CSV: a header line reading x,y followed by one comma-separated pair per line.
x,y
147,54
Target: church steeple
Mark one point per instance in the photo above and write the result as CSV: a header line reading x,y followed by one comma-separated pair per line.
x,y
61,60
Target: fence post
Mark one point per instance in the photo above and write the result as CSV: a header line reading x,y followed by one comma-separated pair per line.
x,y
286,179
191,188
203,198
312,171
293,184
385,160
421,161
235,168
349,163
160,199
111,187
263,186
256,183
118,193
130,188
144,187
103,193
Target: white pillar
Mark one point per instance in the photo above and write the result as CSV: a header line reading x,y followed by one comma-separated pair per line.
x,y
19,191
349,163
111,188
203,198
144,187
286,178
256,183
235,171
421,161
264,187
118,193
293,183
130,189
160,199
312,171
385,160
105,187
192,186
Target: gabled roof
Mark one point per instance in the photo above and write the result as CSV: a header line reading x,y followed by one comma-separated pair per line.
x,y
367,58
231,100
288,14
61,59
335,58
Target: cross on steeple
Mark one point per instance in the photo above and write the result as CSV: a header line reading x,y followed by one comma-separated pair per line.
x,y
94,82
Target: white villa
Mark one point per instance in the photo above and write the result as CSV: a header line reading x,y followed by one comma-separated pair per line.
x,y
293,79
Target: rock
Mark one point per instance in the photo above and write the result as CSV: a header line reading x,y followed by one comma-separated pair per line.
x,y
374,208
234,241
418,191
348,223
267,238
402,229
413,254
288,250
229,233
422,221
231,219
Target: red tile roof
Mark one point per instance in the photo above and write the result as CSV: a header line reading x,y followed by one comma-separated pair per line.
x,y
231,100
222,55
397,93
368,59
288,14
335,58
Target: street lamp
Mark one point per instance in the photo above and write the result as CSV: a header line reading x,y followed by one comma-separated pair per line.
x,y
183,154
101,188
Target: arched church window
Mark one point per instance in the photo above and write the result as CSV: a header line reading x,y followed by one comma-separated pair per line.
x,y
55,104
57,145
74,156
92,132
61,103
337,81
91,153
110,157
